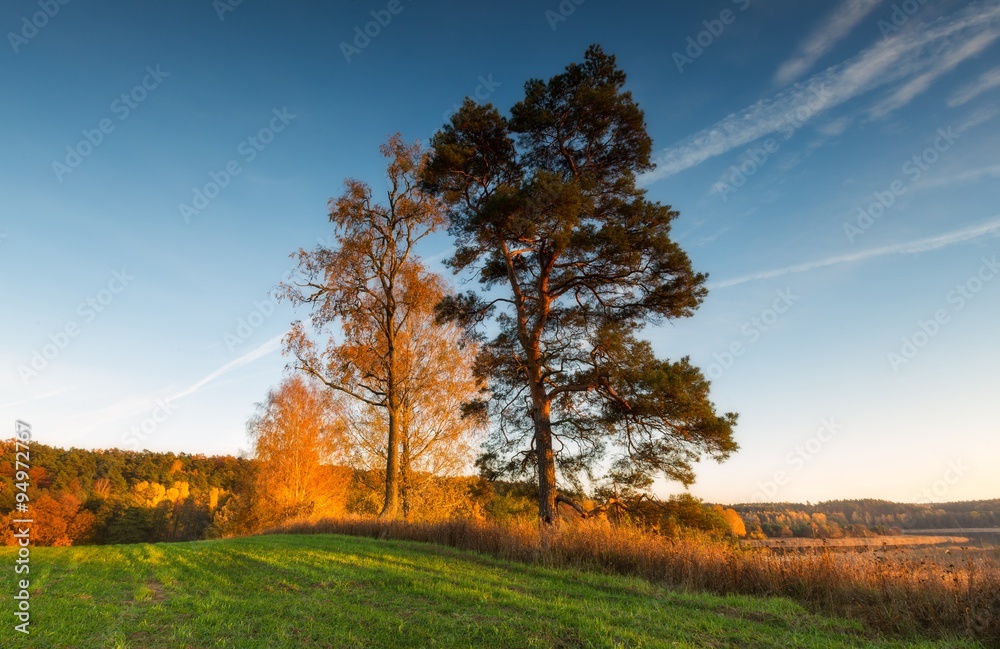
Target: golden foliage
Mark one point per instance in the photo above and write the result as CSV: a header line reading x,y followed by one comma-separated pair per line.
x,y
400,375
435,365
296,440
734,521
151,494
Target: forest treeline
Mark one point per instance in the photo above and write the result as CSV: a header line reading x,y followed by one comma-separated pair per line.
x,y
80,496
860,518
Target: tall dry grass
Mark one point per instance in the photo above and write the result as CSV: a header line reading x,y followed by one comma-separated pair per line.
x,y
894,592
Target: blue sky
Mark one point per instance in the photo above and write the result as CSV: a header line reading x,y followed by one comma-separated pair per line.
x,y
834,164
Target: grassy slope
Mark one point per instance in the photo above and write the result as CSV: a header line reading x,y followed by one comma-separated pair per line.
x,y
335,591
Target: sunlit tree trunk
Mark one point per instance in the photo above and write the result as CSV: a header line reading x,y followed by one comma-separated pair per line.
x,y
391,506
405,485
545,461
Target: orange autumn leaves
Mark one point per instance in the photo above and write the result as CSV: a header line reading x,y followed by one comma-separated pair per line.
x,y
297,440
396,377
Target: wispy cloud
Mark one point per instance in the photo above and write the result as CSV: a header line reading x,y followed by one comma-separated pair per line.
x,y
82,423
981,116
911,247
971,175
712,237
901,57
135,405
835,127
263,350
988,81
841,21
38,397
945,64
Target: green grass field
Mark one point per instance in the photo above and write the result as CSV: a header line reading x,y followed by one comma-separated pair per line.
x,y
335,591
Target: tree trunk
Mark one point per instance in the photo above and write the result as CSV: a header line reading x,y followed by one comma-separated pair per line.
x,y
544,458
391,505
404,472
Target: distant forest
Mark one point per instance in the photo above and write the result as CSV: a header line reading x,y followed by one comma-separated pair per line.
x,y
80,497
859,518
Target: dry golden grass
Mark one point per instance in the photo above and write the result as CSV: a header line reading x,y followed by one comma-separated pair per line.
x,y
893,591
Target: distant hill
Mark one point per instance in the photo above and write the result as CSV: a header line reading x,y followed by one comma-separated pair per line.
x,y
866,517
